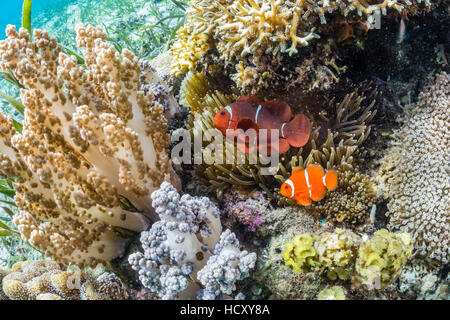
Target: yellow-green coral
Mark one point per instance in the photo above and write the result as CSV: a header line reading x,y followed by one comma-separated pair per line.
x,y
375,263
47,280
337,251
381,259
332,293
299,254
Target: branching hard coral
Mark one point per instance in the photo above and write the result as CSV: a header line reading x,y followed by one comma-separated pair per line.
x,y
92,149
246,30
48,280
343,254
416,172
177,247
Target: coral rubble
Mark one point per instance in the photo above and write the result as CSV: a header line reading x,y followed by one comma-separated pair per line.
x,y
92,149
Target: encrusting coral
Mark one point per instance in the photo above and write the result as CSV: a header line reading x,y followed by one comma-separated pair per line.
x,y
332,293
375,263
92,149
249,30
49,280
416,173
187,248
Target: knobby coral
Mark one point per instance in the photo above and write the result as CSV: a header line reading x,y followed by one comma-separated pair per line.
x,y
92,149
48,280
416,172
186,247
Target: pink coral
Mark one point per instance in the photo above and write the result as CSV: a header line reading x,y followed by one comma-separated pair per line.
x,y
249,211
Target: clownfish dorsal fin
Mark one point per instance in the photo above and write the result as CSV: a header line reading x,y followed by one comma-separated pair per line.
x,y
279,109
252,100
297,169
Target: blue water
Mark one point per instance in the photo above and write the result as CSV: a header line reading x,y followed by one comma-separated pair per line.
x,y
11,11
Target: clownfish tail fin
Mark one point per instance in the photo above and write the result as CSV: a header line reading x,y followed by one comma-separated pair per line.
x,y
297,131
330,180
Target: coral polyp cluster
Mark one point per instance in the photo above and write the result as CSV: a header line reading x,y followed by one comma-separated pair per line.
x,y
92,148
48,280
416,175
375,263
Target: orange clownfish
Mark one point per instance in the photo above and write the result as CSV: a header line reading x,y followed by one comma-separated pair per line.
x,y
248,112
310,184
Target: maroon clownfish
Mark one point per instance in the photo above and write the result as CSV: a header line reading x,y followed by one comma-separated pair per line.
x,y
248,112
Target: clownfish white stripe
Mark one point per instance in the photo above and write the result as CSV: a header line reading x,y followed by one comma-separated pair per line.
x,y
230,111
257,112
282,127
289,182
307,179
323,179
307,183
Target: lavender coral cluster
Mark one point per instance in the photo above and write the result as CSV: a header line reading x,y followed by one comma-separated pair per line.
x,y
92,148
177,248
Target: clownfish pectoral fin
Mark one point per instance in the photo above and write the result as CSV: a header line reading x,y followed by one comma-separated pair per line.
x,y
247,123
304,200
279,109
318,192
331,180
283,146
297,131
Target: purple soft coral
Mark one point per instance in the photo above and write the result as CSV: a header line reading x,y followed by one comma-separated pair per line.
x,y
246,211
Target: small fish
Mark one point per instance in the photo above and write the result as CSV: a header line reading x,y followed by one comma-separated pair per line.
x,y
248,112
310,184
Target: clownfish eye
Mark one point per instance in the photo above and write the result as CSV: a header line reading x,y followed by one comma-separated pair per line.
x,y
222,113
286,186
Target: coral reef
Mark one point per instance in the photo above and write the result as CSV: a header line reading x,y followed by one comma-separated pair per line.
x,y
246,32
332,293
92,149
338,130
416,175
375,263
187,245
48,280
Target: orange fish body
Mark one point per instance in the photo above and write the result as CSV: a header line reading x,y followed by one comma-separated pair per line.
x,y
248,112
310,184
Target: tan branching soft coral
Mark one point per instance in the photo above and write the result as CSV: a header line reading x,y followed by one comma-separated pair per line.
x,y
92,149
255,28
48,280
416,172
